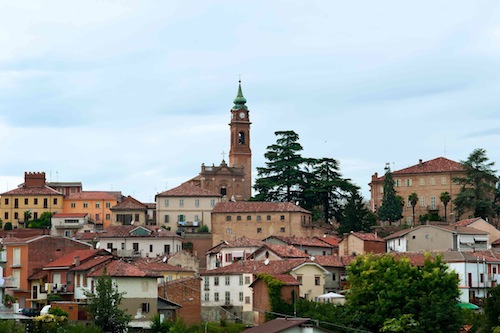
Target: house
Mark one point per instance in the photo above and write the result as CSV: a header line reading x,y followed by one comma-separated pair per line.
x,y
288,325
261,301
313,246
68,225
185,292
258,220
226,293
437,238
482,225
66,188
428,179
137,241
26,256
184,259
30,200
356,243
227,252
336,265
129,212
140,288
186,207
160,266
96,204
278,252
56,278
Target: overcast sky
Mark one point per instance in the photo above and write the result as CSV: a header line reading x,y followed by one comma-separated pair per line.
x,y
134,96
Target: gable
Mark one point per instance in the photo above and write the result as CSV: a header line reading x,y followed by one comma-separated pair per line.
x,y
140,231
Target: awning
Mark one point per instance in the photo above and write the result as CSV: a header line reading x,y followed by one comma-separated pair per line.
x,y
468,306
466,239
237,254
481,238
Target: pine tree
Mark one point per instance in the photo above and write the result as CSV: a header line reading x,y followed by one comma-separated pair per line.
x,y
355,215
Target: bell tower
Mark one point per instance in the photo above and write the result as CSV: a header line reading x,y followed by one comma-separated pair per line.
x,y
240,155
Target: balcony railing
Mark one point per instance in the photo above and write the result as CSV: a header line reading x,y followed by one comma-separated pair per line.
x,y
127,253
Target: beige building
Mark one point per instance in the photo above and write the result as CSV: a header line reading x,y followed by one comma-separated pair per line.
x,y
129,212
356,243
428,180
185,207
259,220
482,225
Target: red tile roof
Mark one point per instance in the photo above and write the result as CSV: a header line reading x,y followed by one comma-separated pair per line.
x,y
465,223
22,233
69,259
256,207
254,267
119,268
45,190
330,261
240,242
68,215
129,203
157,265
188,190
93,262
181,281
287,279
120,231
333,241
367,236
93,195
302,241
282,251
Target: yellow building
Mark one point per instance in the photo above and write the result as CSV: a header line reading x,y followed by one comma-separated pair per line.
x,y
96,204
30,200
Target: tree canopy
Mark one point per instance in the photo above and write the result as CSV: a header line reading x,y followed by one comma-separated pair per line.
x,y
389,292
391,208
477,187
103,306
356,216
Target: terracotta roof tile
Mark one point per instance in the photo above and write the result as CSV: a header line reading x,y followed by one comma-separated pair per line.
x,y
239,242
287,279
93,262
157,265
436,165
333,241
129,203
69,259
119,268
22,233
181,281
283,251
68,215
254,267
330,261
94,195
45,190
256,207
188,190
464,223
303,241
367,236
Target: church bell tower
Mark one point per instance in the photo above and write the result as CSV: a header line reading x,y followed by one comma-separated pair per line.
x,y
240,155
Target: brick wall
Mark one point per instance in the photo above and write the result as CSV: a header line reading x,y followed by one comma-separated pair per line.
x,y
186,292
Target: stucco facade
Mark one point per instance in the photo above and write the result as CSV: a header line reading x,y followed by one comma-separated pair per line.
x,y
96,204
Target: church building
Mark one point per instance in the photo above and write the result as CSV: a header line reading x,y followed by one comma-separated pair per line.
x,y
233,180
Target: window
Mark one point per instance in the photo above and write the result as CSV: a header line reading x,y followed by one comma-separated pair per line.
x,y
207,297
422,201
247,299
494,270
181,202
381,189
6,215
247,279
45,203
216,297
135,247
166,249
216,280
433,202
97,217
259,218
299,278
481,277
85,205
282,229
73,205
207,282
123,246
259,230
282,217
108,217
181,218
421,181
35,201
97,205
35,215
6,201
109,246
55,201
228,281
16,216
150,247
167,218
145,307
26,201
432,181
268,217
241,138
241,296
229,257
197,202
165,202
16,261
241,280
334,277
16,203
228,218
228,231
228,297
443,181
249,217
317,280
223,191
108,204
212,202
408,182
397,182
238,218
196,218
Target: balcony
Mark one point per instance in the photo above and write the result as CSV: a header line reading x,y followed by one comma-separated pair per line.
x,y
10,282
188,223
61,289
126,253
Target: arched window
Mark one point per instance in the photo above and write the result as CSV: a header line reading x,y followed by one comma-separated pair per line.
x,y
241,138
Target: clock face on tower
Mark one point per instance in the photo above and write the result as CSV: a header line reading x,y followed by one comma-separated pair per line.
x,y
242,115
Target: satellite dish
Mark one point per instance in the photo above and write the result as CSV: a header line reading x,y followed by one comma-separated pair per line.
x,y
266,262
312,258
97,245
164,259
132,223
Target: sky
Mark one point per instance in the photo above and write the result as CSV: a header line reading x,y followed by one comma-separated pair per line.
x,y
134,96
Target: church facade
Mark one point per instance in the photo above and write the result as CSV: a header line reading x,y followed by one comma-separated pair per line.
x,y
232,181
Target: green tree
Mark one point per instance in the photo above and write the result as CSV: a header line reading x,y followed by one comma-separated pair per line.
x,y
7,226
103,306
391,293
445,198
326,188
282,177
44,221
477,187
27,216
413,199
159,326
491,309
391,207
355,215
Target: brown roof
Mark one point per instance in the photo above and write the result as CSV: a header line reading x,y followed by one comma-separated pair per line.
x,y
255,267
333,241
330,261
22,233
188,190
157,265
302,241
367,236
448,228
66,215
45,190
89,235
256,207
69,259
283,251
464,223
93,195
92,262
129,203
118,268
440,164
181,280
120,231
239,242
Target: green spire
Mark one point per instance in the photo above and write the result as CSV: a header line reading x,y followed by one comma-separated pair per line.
x,y
239,101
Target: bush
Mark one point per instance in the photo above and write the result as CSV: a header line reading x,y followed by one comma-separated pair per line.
x,y
58,312
7,226
202,228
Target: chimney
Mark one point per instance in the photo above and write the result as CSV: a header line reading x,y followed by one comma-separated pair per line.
x,y
420,162
76,260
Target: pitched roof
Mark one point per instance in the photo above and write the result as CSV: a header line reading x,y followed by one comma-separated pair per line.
x,y
282,251
302,241
94,195
69,259
257,207
367,236
446,228
333,241
129,203
188,190
22,233
120,231
239,242
157,265
44,190
330,261
440,164
255,267
92,262
119,268
465,223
